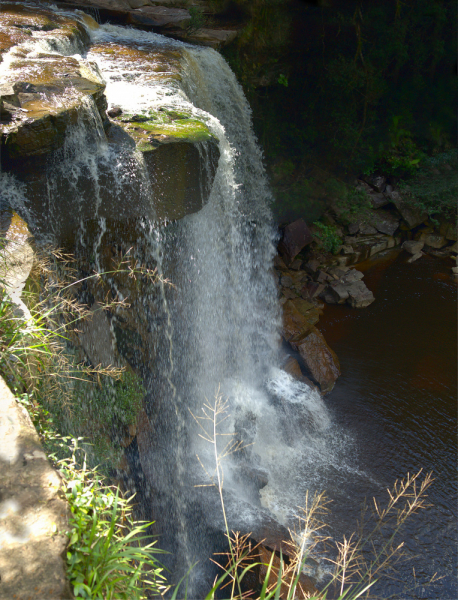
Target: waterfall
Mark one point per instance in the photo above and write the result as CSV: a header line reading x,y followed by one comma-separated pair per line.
x,y
218,327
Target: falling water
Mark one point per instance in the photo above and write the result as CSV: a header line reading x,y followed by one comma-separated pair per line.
x,y
218,328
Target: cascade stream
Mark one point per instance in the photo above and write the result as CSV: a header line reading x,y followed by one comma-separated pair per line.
x,y
217,328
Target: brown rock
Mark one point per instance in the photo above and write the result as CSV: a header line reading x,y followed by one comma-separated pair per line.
x,y
412,247
312,289
310,311
160,16
359,296
215,38
415,257
384,222
411,215
433,240
295,325
320,360
296,236
32,513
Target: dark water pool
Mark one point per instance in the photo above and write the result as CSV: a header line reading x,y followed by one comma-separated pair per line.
x,y
397,397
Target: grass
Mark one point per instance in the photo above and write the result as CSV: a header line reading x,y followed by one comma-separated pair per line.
x,y
369,554
109,555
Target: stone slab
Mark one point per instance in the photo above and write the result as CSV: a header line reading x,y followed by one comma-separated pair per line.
x,y
33,516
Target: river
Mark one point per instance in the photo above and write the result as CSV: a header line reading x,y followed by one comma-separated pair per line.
x,y
396,399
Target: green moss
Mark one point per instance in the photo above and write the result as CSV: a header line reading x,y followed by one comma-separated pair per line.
x,y
163,127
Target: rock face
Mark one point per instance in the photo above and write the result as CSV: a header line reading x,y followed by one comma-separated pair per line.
x,y
295,237
302,335
32,514
318,357
41,95
45,95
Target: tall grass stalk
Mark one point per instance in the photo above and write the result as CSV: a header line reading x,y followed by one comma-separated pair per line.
x,y
362,559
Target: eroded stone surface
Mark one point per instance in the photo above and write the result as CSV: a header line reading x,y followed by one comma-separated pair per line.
x,y
42,93
32,513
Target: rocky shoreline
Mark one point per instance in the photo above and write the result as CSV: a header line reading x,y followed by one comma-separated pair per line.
x,y
308,277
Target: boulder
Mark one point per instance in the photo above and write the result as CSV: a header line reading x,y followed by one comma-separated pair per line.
x,y
351,276
312,289
296,236
33,514
433,240
318,357
215,38
359,296
415,257
384,222
367,229
291,366
411,215
286,281
160,16
377,182
413,247
337,293
454,248
309,310
379,200
295,325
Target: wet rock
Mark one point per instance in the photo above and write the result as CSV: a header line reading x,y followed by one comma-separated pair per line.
x,y
308,310
384,222
412,216
291,366
367,229
415,257
51,91
116,111
359,295
312,289
433,240
286,281
295,325
353,228
377,182
413,247
318,357
160,16
296,236
214,38
288,294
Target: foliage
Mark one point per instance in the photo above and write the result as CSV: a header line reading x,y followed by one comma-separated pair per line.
x,y
353,205
197,18
107,556
434,190
367,555
328,237
353,70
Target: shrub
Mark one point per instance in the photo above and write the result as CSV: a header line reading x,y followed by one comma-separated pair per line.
x,y
328,238
106,556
